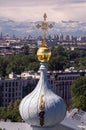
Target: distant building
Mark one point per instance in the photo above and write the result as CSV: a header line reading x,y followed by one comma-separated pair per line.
x,y
17,86
61,81
14,88
81,39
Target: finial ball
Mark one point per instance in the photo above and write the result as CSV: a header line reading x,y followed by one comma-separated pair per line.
x,y
43,54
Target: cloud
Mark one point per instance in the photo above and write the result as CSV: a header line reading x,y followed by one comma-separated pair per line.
x,y
23,3
23,13
56,10
73,11
76,1
13,3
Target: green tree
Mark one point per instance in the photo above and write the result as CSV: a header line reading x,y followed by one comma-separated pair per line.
x,y
79,93
10,110
72,55
19,63
80,102
15,66
59,51
17,116
13,111
33,66
80,63
3,113
3,65
58,63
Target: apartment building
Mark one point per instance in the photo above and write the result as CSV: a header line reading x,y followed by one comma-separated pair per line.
x,y
16,87
60,81
13,89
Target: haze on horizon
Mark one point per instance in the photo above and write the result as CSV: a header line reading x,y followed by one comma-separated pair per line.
x,y
33,10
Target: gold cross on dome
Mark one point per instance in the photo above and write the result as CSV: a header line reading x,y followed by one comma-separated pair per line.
x,y
44,26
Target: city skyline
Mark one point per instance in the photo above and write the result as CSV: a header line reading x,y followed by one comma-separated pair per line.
x,y
33,10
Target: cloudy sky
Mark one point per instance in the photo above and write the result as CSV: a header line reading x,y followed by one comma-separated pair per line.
x,y
33,10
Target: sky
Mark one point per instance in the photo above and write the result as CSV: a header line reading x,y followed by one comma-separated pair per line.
x,y
33,10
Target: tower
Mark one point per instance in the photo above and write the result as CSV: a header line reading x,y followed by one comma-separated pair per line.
x,y
42,108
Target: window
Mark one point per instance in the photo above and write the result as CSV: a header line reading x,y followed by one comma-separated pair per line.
x,y
12,94
5,89
13,89
9,95
2,84
6,84
5,94
16,83
13,84
9,84
9,89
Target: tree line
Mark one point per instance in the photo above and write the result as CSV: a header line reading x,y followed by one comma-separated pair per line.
x,y
60,60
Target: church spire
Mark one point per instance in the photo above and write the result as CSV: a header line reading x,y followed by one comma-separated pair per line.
x,y
42,108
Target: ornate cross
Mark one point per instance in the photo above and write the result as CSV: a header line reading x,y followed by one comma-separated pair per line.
x,y
44,26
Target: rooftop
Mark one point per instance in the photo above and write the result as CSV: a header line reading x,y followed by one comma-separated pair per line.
x,y
74,120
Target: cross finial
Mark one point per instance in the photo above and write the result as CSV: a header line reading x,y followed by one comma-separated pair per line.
x,y
44,26
45,16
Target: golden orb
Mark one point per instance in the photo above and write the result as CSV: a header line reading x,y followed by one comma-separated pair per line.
x,y
43,54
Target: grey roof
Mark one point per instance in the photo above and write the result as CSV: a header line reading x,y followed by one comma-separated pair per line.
x,y
14,126
75,120
24,126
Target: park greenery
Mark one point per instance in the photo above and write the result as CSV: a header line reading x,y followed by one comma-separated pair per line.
x,y
61,59
79,93
11,112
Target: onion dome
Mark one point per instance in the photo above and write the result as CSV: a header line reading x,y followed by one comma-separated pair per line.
x,y
42,107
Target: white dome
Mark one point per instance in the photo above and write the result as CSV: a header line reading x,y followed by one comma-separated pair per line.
x,y
42,107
